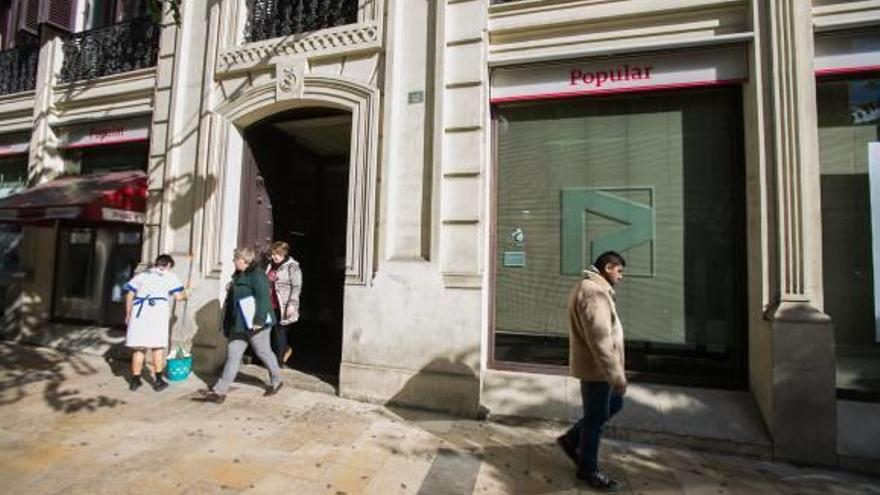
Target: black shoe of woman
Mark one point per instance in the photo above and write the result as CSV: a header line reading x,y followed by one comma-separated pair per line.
x,y
272,389
216,398
599,481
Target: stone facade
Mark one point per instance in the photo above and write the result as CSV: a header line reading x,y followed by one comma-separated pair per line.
x,y
416,79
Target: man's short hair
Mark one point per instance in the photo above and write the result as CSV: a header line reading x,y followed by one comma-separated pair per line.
x,y
609,257
164,260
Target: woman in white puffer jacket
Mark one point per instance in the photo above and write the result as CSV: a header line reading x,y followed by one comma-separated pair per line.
x,y
285,280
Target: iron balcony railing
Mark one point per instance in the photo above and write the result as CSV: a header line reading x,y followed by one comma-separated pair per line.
x,y
18,69
269,19
122,47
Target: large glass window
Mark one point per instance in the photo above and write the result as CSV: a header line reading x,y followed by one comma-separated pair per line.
x,y
658,178
849,119
108,158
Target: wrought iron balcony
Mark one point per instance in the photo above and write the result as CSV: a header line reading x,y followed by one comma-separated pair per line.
x,y
18,69
269,19
122,47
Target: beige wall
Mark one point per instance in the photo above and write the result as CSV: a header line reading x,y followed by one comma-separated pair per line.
x,y
417,311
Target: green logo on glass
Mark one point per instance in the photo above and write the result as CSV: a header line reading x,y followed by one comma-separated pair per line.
x,y
598,220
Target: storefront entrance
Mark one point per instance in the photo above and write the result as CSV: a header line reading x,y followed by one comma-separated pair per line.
x,y
295,189
656,177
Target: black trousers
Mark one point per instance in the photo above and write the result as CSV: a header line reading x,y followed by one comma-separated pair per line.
x,y
279,337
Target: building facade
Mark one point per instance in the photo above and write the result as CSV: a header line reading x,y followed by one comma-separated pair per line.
x,y
444,171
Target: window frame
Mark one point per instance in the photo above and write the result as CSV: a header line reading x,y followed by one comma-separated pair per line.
x,y
737,379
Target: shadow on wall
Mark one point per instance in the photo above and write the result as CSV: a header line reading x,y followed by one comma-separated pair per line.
x,y
208,343
184,190
447,384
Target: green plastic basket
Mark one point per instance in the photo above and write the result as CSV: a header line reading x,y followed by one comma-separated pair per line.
x,y
178,369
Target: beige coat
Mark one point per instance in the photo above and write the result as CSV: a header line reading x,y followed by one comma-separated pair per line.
x,y
287,287
596,334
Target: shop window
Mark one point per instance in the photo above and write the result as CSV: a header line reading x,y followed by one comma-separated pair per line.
x,y
657,177
13,174
849,120
109,158
79,246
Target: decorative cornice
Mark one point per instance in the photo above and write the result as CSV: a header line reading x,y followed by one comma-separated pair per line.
x,y
846,15
345,39
17,105
125,85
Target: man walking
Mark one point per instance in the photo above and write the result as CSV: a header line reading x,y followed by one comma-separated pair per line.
x,y
596,358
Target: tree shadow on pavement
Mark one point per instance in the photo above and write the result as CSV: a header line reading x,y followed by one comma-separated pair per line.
x,y
475,455
23,369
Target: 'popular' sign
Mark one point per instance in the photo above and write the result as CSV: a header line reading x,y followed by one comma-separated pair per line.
x,y
600,77
645,73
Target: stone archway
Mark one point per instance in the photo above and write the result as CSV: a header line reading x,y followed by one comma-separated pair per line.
x,y
260,101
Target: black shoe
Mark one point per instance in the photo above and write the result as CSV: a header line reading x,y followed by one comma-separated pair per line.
x,y
272,390
159,384
134,383
570,451
598,481
216,398
204,392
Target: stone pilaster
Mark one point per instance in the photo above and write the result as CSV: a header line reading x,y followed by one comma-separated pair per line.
x,y
463,135
178,182
802,418
408,108
45,162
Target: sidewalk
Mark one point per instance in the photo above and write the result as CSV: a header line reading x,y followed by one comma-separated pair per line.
x,y
68,425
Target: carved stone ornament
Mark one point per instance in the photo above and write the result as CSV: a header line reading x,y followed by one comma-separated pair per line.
x,y
355,37
289,75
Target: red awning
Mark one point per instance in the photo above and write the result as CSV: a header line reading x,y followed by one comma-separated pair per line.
x,y
104,197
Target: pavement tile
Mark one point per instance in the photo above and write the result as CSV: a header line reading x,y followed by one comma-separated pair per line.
x,y
398,476
76,428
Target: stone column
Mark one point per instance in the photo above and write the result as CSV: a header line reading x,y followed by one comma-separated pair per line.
x,y
462,141
178,182
33,303
408,107
44,161
802,416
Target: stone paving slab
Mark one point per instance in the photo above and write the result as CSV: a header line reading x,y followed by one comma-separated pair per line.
x,y
69,425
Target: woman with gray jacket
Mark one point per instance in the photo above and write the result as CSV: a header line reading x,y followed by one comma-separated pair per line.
x,y
285,281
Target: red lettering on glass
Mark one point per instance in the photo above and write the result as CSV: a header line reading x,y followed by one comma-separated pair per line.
x,y
598,78
101,133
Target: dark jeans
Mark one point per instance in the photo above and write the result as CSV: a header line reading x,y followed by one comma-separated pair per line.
x,y
279,337
600,404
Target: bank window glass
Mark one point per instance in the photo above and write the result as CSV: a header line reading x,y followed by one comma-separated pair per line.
x,y
658,178
849,116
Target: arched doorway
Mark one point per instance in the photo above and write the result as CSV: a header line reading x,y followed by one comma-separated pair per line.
x,y
295,188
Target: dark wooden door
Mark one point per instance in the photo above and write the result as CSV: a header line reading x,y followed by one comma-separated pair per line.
x,y
255,217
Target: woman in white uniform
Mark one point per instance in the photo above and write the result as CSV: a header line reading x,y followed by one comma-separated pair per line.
x,y
148,313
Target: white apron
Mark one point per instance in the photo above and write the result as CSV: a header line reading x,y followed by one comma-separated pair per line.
x,y
153,291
